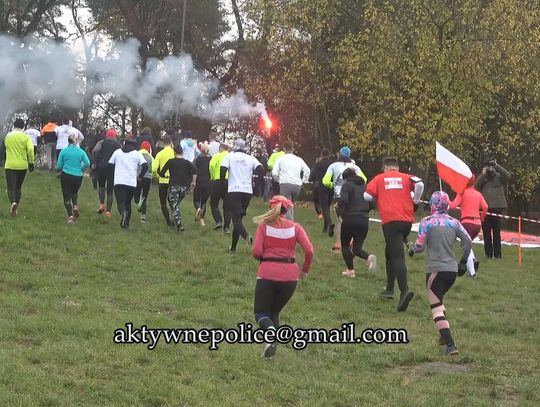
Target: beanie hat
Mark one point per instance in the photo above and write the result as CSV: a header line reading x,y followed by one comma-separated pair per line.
x,y
111,133
145,145
345,152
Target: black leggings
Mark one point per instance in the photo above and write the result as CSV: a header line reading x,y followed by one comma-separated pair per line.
x,y
14,180
70,190
491,229
201,194
238,203
395,234
124,196
142,191
326,195
357,231
219,193
437,285
163,193
270,298
105,176
316,199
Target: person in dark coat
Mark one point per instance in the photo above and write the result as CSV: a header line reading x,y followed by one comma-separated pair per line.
x,y
492,184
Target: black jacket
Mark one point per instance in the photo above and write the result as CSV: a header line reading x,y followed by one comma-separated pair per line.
x,y
351,204
319,170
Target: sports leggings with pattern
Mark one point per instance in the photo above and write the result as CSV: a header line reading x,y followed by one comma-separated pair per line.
x,y
438,285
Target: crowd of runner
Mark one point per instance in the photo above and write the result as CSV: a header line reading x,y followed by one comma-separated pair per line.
x,y
219,174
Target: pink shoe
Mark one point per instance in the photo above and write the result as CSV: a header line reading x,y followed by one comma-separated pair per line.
x,y
349,273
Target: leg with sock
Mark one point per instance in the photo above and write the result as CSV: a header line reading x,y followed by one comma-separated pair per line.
x,y
215,196
437,286
66,195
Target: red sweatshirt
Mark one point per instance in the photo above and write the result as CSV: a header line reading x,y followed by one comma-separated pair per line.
x,y
278,240
470,201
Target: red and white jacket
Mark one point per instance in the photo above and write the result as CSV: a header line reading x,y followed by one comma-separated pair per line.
x,y
278,240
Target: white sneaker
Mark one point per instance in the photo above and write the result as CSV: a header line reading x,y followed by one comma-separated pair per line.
x,y
372,263
349,273
202,222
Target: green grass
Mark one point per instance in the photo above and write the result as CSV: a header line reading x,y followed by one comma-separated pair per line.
x,y
65,289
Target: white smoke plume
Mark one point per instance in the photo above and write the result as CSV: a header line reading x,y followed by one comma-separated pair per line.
x,y
47,71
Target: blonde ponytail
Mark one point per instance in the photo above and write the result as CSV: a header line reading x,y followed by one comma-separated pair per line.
x,y
269,217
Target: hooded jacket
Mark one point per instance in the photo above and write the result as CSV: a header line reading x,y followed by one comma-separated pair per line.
x,y
492,187
351,205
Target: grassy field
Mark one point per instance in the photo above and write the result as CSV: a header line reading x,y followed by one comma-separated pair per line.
x,y
65,289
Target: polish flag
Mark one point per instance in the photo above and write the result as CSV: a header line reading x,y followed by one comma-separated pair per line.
x,y
452,170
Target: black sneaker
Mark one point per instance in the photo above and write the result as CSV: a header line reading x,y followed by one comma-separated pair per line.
x,y
218,226
404,300
179,228
386,294
476,265
269,350
451,350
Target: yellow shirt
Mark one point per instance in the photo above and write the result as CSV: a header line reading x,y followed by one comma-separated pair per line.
x,y
159,162
19,150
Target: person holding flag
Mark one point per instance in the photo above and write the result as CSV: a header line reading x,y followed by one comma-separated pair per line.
x,y
392,192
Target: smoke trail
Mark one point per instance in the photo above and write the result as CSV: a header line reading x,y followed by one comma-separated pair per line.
x,y
48,71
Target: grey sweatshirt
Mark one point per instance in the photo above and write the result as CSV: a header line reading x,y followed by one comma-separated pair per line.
x,y
438,233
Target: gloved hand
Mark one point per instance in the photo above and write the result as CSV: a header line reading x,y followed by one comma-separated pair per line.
x,y
462,268
31,167
410,248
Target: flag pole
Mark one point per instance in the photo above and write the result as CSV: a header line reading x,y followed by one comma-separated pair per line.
x,y
440,184
520,254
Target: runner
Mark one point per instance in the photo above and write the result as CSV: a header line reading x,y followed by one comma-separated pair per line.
x,y
62,134
219,189
189,147
276,153
72,162
334,179
101,155
278,273
19,152
471,202
166,153
213,145
34,135
181,178
325,194
291,172
354,212
129,165
144,184
202,183
438,234
48,132
392,192
241,167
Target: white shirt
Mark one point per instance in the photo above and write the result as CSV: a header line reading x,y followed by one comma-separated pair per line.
x,y
63,132
290,169
241,167
34,135
127,167
214,148
190,150
336,170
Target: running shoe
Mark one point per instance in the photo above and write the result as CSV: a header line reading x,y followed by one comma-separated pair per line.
x,y
451,350
404,300
249,240
349,273
14,209
476,265
143,218
198,214
101,209
108,214
320,217
372,263
70,220
76,213
386,294
218,226
140,204
226,231
269,350
201,221
336,249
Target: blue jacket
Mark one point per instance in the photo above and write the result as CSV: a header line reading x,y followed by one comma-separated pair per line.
x,y
73,161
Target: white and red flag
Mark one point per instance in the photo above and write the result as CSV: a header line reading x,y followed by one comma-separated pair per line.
x,y
452,170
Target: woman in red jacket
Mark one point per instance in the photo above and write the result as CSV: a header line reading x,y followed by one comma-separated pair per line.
x,y
471,202
278,273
